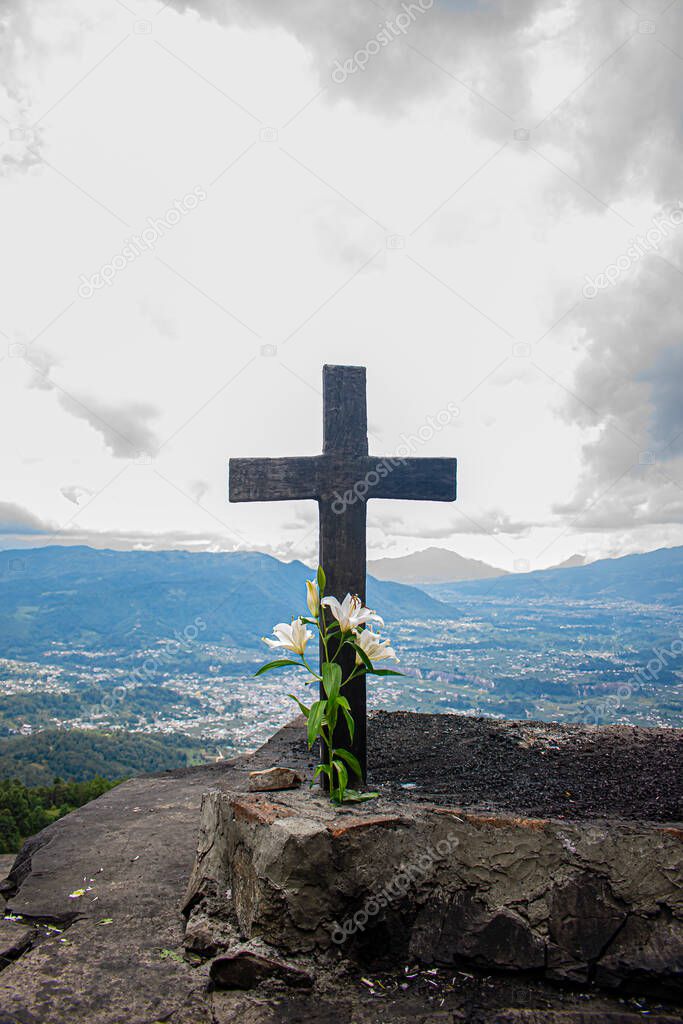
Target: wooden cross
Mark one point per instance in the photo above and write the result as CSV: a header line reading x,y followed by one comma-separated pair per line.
x,y
341,480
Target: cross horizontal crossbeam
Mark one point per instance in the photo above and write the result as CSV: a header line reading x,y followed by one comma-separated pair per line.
x,y
352,477
342,480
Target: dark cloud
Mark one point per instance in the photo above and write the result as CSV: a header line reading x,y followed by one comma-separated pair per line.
x,y
623,129
632,366
124,427
480,48
665,379
628,387
617,126
16,520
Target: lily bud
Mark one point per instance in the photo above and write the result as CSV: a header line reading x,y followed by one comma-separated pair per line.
x,y
312,598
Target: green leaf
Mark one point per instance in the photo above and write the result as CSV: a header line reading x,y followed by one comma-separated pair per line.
x,y
277,664
361,654
351,760
342,776
350,724
304,710
352,796
322,768
170,954
315,718
321,580
332,676
331,716
386,672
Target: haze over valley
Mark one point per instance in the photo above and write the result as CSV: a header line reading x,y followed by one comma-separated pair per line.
x,y
167,643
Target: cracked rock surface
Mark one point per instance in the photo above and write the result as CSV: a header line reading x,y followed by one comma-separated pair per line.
x,y
116,951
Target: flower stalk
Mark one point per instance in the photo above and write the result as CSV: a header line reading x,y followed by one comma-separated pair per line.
x,y
347,622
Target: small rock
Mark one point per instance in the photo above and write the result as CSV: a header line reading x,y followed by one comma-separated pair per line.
x,y
274,778
15,937
200,936
246,969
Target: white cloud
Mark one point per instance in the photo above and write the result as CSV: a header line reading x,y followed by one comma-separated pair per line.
x,y
477,301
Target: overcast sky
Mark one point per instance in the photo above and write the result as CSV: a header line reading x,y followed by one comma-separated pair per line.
x,y
457,195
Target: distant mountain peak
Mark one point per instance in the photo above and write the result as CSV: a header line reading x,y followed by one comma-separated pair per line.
x,y
432,565
570,563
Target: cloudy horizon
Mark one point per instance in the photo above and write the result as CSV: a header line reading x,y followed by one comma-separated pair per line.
x,y
479,201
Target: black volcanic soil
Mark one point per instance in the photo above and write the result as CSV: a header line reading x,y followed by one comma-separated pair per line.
x,y
535,768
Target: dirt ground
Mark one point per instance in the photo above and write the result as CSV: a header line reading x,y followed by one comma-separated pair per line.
x,y
413,995
534,768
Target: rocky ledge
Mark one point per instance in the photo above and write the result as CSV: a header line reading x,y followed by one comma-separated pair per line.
x,y
94,932
573,901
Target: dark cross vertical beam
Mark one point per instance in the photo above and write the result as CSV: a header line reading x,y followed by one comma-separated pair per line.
x,y
342,550
344,465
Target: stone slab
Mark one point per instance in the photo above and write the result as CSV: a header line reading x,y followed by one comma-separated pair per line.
x,y
143,835
576,901
274,779
15,937
120,956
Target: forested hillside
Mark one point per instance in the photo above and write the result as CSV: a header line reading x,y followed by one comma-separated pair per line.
x,y
78,755
26,810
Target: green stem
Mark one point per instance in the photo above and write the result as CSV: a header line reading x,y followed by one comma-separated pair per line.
x,y
331,759
358,670
315,674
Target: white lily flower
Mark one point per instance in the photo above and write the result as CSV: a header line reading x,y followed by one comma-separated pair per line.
x,y
351,613
374,647
290,637
312,598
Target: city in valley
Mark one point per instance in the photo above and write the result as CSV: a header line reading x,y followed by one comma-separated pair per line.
x,y
596,663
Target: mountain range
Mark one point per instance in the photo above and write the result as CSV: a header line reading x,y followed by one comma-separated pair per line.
x,y
651,578
441,565
80,598
117,600
169,640
433,565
